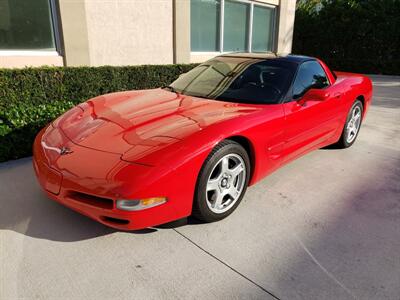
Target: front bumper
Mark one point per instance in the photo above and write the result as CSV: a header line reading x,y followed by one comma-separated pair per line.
x,y
90,181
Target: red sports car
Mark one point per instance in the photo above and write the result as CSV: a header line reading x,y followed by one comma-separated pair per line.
x,y
136,159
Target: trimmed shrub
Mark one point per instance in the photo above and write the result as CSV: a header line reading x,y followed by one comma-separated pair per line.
x,y
32,97
350,35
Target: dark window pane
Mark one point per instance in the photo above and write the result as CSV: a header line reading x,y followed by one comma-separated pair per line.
x,y
309,75
204,25
236,23
26,25
263,19
235,79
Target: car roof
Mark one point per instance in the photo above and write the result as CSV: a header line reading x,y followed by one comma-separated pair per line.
x,y
298,59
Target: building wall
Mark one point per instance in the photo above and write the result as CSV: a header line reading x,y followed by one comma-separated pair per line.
x,y
12,60
132,32
129,32
74,33
287,10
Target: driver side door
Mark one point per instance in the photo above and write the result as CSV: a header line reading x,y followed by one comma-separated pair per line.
x,y
309,121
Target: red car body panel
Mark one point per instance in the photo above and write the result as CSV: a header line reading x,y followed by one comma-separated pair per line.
x,y
152,143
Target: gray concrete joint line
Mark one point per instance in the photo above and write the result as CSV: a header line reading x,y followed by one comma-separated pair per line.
x,y
226,265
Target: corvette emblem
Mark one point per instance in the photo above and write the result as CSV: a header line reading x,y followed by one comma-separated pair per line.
x,y
65,151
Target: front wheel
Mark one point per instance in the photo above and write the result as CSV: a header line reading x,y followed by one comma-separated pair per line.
x,y
352,126
222,182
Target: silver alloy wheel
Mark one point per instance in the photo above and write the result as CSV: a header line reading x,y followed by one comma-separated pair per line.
x,y
353,126
225,183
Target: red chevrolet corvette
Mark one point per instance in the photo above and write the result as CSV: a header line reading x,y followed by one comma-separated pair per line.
x,y
136,159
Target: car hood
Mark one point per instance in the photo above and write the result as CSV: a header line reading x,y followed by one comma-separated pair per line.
x,y
144,120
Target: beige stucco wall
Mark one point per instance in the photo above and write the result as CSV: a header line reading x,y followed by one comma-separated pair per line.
x,y
73,27
129,32
21,61
287,10
181,15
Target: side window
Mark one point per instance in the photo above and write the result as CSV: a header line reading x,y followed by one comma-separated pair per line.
x,y
310,75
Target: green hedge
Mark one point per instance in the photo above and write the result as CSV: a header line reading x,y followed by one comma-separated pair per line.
x,y
350,35
32,97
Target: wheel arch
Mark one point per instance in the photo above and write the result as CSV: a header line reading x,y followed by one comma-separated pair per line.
x,y
362,99
249,147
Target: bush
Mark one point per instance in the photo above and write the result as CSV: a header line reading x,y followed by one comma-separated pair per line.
x,y
32,97
350,35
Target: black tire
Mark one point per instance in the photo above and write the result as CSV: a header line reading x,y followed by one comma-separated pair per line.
x,y
343,141
201,209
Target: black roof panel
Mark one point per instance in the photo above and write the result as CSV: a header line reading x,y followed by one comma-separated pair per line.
x,y
269,55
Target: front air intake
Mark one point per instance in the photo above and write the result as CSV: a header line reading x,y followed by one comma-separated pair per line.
x,y
115,221
91,200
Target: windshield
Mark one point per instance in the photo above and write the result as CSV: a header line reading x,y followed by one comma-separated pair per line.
x,y
237,79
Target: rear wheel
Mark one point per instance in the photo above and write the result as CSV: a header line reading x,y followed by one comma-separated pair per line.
x,y
352,126
222,182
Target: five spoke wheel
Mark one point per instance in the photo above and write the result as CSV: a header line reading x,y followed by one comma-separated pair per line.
x,y
222,181
354,124
225,184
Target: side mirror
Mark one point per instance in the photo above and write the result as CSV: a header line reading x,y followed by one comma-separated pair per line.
x,y
312,95
315,95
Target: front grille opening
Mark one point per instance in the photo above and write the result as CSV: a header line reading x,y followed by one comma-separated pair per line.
x,y
115,220
91,200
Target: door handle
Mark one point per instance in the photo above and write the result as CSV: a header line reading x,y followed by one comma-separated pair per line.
x,y
337,95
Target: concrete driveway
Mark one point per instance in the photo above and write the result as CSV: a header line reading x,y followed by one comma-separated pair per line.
x,y
326,226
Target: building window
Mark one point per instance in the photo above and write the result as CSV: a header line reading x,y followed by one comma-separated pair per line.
x,y
263,26
231,25
27,25
204,29
236,29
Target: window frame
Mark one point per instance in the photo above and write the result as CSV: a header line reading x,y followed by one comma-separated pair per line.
x,y
250,28
34,52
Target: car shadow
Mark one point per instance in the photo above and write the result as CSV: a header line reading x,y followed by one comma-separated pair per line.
x,y
179,223
24,208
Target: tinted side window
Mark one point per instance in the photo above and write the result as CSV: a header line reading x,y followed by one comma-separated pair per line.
x,y
309,75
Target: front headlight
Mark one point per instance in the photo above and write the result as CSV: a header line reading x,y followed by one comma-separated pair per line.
x,y
140,204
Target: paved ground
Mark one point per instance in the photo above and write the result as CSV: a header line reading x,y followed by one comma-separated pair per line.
x,y
326,226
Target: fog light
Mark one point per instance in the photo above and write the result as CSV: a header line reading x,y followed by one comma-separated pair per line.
x,y
140,204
